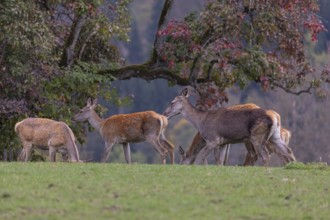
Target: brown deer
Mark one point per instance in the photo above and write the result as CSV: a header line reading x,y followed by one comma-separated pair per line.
x,y
285,136
221,154
129,128
225,126
45,133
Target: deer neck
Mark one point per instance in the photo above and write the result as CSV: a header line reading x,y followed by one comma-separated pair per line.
x,y
95,121
193,115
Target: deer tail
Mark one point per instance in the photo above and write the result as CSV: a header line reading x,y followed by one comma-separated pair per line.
x,y
16,126
274,130
72,138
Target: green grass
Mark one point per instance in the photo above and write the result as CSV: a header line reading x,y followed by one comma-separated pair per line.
x,y
120,191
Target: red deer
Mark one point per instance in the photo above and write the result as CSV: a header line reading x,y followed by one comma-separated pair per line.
x,y
221,157
285,136
225,126
42,132
129,128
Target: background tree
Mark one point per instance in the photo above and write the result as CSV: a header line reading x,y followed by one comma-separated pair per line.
x,y
50,52
234,42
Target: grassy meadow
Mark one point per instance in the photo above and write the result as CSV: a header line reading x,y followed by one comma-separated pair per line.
x,y
141,191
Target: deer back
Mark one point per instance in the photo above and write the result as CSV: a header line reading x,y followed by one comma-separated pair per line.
x,y
39,131
43,132
233,124
134,127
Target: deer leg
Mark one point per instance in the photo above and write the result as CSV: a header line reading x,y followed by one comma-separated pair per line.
x,y
277,144
107,149
127,152
64,154
202,155
52,154
270,147
282,149
216,152
169,147
22,155
260,143
221,154
26,152
251,156
258,138
225,158
160,149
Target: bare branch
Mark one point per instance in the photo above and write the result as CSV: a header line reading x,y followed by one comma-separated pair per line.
x,y
308,90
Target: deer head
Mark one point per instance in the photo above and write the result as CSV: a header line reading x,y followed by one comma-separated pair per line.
x,y
177,104
86,112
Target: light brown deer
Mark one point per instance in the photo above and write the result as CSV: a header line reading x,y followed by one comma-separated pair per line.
x,y
45,133
225,126
129,128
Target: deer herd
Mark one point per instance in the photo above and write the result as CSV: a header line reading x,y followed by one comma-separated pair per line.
x,y
260,130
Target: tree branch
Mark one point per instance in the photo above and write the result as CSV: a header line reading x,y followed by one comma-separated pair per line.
x,y
148,72
161,21
90,35
152,69
194,72
68,53
209,70
3,49
308,90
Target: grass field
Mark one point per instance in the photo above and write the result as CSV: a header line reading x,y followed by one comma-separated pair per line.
x,y
120,191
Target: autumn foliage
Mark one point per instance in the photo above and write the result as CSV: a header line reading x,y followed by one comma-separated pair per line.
x,y
233,42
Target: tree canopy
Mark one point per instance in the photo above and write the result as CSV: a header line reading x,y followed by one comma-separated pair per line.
x,y
232,43
50,52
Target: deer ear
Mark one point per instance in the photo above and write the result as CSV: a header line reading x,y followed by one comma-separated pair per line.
x,y
89,101
185,92
94,103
